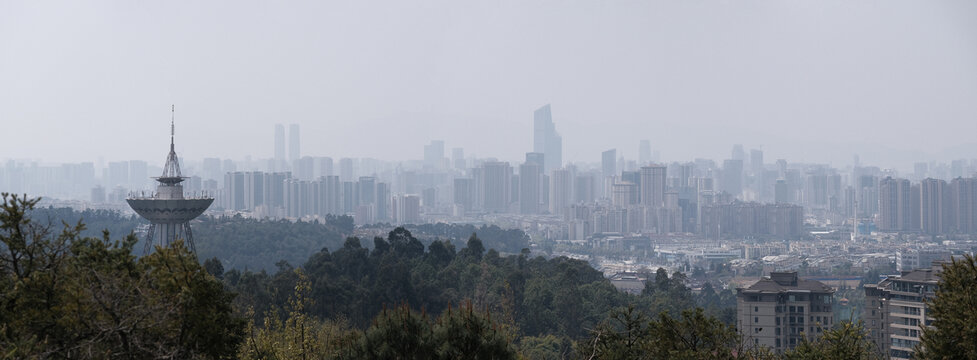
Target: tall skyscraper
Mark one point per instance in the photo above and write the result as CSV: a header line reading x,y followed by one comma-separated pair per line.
x,y
644,153
733,177
895,211
293,143
561,190
608,162
279,143
934,206
546,140
963,192
495,186
652,186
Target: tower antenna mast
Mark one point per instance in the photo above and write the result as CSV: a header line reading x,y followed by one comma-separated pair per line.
x,y
172,122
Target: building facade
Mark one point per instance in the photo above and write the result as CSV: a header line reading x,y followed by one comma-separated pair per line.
x,y
780,310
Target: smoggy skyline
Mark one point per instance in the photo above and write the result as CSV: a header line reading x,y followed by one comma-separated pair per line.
x,y
893,81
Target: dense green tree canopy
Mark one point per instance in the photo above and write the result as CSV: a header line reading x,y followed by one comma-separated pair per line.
x,y
67,296
953,334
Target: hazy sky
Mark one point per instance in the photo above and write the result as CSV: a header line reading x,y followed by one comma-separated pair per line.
x,y
895,81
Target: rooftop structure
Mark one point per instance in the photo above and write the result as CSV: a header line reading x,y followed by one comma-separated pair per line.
x,y
896,311
779,310
168,210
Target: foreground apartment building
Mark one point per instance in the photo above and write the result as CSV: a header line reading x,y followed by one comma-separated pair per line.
x,y
895,310
779,310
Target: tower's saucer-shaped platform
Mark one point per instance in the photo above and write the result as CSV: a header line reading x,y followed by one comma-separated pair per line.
x,y
169,211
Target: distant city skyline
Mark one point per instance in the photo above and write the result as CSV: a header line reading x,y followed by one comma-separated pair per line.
x,y
890,81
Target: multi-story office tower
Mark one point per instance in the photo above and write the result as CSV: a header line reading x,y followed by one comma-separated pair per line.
x,y
608,163
963,196
293,143
733,177
546,140
895,310
463,191
433,154
652,185
561,190
429,199
279,144
644,153
529,186
934,206
895,211
495,186
779,311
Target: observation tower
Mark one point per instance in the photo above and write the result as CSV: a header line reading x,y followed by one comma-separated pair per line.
x,y
168,210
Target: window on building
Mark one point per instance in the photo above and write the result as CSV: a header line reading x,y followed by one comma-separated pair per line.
x,y
756,309
800,309
756,319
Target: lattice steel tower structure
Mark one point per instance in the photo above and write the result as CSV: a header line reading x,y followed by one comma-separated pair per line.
x,y
168,210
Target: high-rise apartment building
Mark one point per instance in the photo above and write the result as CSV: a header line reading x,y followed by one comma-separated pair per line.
x,y
407,209
652,186
963,193
546,140
561,190
779,311
529,187
895,205
733,177
895,310
934,206
495,186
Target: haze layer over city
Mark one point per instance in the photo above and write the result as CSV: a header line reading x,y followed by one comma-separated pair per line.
x,y
588,179
812,82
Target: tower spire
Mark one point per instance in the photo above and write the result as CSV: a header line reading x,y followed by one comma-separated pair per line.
x,y
172,122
